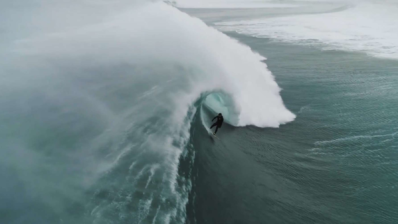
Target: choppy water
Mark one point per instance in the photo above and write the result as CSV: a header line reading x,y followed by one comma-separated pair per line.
x,y
104,109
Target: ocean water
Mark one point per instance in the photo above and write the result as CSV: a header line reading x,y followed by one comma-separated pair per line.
x,y
97,103
360,26
336,163
105,108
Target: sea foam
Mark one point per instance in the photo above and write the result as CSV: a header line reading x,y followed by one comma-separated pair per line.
x,y
368,27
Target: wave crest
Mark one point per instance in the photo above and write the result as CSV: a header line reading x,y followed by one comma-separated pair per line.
x,y
113,96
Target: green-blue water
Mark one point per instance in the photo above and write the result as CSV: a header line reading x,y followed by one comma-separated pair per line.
x,y
336,163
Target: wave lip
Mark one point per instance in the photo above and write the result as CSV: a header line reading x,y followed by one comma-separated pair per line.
x,y
114,96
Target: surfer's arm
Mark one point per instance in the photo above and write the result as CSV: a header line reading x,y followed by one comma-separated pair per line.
x,y
214,118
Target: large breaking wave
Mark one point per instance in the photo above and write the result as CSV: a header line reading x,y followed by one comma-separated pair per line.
x,y
98,102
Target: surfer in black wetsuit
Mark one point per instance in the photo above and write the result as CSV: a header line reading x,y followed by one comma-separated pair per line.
x,y
218,123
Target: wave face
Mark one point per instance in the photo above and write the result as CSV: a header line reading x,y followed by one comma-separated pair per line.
x,y
363,26
99,99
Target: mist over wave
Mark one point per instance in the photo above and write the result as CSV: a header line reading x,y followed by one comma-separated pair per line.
x,y
98,100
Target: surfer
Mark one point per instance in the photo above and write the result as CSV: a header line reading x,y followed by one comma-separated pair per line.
x,y
218,123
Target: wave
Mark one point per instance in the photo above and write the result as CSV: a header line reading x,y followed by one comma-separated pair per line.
x,y
366,27
99,104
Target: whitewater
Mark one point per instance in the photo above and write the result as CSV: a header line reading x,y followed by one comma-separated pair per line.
x,y
97,104
367,27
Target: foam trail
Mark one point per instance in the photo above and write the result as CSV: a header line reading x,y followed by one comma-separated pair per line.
x,y
365,26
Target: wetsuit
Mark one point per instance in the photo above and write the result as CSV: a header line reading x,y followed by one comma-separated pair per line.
x,y
218,123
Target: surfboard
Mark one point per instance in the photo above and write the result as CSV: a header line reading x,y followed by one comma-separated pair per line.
x,y
212,136
210,132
